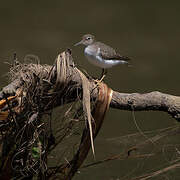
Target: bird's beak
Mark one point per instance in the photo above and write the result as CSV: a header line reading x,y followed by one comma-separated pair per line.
x,y
78,43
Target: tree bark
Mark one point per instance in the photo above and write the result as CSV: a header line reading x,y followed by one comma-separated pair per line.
x,y
155,101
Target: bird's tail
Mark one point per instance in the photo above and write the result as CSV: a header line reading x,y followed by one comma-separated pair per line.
x,y
125,58
127,61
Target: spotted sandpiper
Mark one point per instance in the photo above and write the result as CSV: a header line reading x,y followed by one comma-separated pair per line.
x,y
100,54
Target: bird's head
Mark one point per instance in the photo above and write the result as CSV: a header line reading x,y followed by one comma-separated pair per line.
x,y
87,39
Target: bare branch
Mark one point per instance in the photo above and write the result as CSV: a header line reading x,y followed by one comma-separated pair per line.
x,y
155,101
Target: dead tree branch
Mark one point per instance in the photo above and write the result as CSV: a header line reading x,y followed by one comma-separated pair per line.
x,y
155,101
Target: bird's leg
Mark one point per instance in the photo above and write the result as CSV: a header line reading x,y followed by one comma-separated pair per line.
x,y
103,74
105,71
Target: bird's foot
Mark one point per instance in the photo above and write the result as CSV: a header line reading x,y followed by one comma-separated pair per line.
x,y
98,81
104,75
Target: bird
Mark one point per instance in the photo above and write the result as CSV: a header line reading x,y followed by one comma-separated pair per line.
x,y
100,54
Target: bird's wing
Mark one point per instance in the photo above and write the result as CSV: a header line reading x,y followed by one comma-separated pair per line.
x,y
107,52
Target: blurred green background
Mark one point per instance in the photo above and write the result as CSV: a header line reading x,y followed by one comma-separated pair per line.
x,y
147,31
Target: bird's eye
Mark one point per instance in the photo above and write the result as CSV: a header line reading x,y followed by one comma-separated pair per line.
x,y
88,38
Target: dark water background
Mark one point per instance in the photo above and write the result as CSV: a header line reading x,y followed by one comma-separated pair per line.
x,y
147,31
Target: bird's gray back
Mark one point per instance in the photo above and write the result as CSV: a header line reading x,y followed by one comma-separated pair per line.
x,y
107,52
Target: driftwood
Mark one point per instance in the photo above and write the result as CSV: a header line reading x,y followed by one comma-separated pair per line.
x,y
155,101
47,87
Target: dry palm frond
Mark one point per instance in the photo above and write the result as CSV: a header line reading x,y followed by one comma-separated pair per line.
x,y
86,105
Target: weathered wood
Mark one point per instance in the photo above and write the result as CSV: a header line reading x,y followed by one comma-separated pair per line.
x,y
155,101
